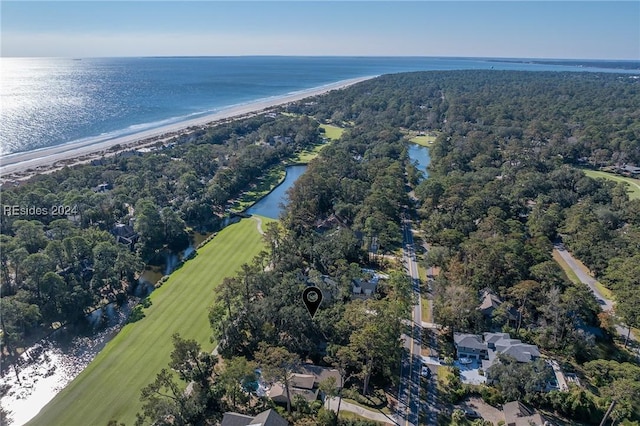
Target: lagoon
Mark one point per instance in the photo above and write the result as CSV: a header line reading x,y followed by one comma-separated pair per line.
x,y
271,205
419,155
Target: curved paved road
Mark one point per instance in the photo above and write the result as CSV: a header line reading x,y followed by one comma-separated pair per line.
x,y
606,304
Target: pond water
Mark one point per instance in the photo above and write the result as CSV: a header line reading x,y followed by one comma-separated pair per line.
x,y
47,367
270,205
419,155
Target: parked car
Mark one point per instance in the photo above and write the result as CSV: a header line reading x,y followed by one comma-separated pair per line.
x,y
471,414
426,372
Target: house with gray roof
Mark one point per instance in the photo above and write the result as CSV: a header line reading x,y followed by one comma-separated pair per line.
x,y
489,302
470,346
304,383
266,418
518,414
488,346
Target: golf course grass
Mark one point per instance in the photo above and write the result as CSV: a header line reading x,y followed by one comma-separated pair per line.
x,y
634,184
332,132
424,140
109,388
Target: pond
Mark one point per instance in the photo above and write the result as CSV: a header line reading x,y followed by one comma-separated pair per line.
x,y
270,205
419,155
47,367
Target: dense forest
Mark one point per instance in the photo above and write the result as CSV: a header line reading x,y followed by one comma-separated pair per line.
x,y
127,211
504,186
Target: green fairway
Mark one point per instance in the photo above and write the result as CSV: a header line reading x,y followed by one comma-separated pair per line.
x,y
425,140
332,132
634,184
109,388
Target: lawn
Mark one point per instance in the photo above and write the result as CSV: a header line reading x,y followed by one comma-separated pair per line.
x,y
109,388
307,155
332,132
426,312
425,140
634,184
347,415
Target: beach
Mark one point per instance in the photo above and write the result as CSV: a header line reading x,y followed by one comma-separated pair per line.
x,y
23,165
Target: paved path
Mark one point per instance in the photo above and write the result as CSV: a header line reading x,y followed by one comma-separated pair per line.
x,y
606,304
377,416
258,224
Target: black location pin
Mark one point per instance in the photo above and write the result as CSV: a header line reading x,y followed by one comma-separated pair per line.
x,y
312,297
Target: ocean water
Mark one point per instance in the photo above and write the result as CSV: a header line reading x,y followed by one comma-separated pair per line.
x,y
46,102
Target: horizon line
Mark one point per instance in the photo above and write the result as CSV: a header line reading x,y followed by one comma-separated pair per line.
x,y
327,56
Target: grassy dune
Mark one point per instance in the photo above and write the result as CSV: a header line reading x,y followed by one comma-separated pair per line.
x,y
634,184
109,388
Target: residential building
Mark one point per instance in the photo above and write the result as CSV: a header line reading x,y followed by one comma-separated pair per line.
x,y
518,414
470,346
305,383
366,287
266,418
489,302
488,346
630,170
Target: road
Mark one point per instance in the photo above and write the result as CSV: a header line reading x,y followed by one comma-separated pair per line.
x,y
409,392
606,304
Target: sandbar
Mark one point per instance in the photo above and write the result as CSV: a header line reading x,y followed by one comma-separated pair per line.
x,y
23,165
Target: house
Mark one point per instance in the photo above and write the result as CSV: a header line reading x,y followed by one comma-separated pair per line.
x,y
367,287
266,418
470,346
502,343
103,187
518,414
300,385
364,288
125,234
305,383
489,302
488,346
630,170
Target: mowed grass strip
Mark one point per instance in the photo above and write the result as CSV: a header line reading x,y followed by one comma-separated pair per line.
x,y
109,388
332,132
634,184
424,140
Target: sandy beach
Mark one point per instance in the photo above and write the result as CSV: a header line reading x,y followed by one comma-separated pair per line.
x,y
23,165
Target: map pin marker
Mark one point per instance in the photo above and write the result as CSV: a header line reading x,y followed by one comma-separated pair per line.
x,y
312,297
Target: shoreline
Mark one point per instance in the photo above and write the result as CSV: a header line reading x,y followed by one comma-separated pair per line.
x,y
24,165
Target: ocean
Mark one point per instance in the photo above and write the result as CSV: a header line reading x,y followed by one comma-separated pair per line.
x,y
52,101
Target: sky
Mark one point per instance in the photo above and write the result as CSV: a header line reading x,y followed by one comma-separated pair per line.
x,y
514,29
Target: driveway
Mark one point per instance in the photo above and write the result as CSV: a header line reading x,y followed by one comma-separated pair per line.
x,y
470,373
